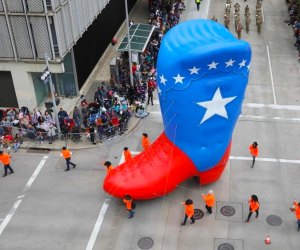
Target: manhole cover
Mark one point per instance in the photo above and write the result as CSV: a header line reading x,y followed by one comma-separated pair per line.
x,y
274,220
145,243
225,246
198,214
227,211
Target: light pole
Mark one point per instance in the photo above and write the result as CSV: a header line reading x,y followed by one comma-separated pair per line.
x,y
129,46
46,77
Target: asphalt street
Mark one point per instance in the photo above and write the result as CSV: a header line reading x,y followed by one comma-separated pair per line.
x,y
44,207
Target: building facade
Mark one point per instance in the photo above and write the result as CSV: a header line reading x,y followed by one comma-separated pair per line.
x,y
30,29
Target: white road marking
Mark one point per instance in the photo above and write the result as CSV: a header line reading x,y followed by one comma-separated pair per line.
x,y
271,74
271,106
207,9
9,215
97,225
258,106
241,158
19,200
35,173
253,117
266,118
100,219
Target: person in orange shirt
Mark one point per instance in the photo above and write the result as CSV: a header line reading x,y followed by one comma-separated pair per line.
x,y
127,154
66,153
189,211
5,158
108,166
129,205
253,206
253,149
145,141
297,213
209,200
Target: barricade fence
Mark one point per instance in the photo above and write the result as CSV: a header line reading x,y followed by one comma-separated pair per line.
x,y
100,135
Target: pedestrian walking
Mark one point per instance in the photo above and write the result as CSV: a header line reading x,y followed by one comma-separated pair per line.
x,y
198,4
130,205
296,209
108,166
127,154
67,155
253,207
253,149
5,158
145,141
189,211
209,200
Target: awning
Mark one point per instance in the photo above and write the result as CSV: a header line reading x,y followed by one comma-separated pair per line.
x,y
139,37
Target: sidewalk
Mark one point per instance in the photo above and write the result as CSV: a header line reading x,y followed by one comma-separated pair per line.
x,y
101,72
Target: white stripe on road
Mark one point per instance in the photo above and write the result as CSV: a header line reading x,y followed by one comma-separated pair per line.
x,y
271,106
241,158
267,118
97,225
10,215
252,117
271,74
259,106
207,9
100,219
35,173
19,200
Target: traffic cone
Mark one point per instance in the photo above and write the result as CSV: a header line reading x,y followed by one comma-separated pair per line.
x,y
268,240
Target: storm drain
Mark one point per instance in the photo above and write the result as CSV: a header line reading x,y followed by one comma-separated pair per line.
x,y
145,243
38,150
274,220
227,211
225,246
198,214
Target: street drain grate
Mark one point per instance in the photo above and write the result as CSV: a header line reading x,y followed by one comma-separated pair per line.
x,y
225,246
198,214
227,211
38,150
274,220
145,243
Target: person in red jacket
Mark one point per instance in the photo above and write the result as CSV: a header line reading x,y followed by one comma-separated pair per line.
x,y
253,149
297,213
129,205
189,211
209,200
253,206
5,158
66,153
145,141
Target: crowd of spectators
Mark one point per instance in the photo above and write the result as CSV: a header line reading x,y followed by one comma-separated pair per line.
x,y
114,102
293,8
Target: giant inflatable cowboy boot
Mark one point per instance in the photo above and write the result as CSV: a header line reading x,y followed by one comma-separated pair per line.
x,y
202,77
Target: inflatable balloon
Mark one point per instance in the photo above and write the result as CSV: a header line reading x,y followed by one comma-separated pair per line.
x,y
202,74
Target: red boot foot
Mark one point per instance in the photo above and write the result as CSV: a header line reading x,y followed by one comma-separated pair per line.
x,y
157,172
